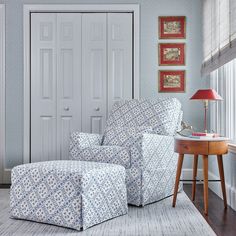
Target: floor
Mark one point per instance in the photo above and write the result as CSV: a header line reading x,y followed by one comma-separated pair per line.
x,y
159,218
222,221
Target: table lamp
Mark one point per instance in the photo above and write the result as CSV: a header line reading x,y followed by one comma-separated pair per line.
x,y
206,95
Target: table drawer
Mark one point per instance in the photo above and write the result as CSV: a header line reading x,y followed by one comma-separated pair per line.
x,y
191,147
218,148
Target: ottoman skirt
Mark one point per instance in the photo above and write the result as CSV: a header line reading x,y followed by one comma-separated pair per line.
x,y
73,194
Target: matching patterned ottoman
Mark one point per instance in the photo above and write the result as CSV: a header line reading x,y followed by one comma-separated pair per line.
x,y
73,194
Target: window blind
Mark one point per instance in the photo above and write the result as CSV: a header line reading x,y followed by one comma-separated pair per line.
x,y
219,33
223,113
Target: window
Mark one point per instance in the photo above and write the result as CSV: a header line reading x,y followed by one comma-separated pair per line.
x,y
219,33
223,113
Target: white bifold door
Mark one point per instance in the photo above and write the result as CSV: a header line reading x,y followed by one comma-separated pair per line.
x,y
81,63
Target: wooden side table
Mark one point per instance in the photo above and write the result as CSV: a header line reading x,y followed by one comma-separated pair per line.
x,y
211,146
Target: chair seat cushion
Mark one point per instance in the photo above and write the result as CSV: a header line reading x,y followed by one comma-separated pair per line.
x,y
72,194
106,154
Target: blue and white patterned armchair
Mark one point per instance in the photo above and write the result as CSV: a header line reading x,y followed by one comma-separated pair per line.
x,y
139,136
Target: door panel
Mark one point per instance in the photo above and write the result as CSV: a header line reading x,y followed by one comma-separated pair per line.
x,y
119,57
43,87
68,79
94,79
47,136
46,72
66,126
66,69
96,124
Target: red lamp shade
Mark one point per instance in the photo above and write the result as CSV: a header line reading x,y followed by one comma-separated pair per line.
x,y
206,94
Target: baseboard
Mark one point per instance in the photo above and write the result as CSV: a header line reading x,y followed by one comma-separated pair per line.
x,y
216,188
187,174
7,176
233,198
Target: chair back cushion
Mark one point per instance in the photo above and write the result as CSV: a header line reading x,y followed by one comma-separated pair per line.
x,y
161,114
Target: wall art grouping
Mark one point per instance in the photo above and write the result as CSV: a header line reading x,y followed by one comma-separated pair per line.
x,y
172,54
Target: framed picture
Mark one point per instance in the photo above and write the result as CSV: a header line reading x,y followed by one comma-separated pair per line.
x,y
172,54
172,81
172,27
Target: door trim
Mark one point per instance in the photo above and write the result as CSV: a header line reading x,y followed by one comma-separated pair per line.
x,y
30,8
3,171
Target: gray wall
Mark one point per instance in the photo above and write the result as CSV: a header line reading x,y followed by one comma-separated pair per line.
x,y
150,10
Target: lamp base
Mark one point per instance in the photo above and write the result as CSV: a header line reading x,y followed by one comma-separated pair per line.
x,y
205,114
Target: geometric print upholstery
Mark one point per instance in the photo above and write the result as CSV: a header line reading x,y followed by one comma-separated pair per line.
x,y
151,177
72,194
180,118
161,114
123,136
83,140
159,167
146,128
106,154
152,171
129,137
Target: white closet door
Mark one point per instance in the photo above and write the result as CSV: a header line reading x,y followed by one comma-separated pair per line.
x,y
80,64
43,87
55,83
69,79
94,79
119,57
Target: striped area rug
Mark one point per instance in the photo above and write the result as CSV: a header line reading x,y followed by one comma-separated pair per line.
x,y
152,220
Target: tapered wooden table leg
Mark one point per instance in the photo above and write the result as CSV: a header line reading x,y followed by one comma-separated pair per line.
x,y
194,176
178,174
222,178
205,174
211,146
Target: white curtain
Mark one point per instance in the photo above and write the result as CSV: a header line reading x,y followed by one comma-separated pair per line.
x,y
223,113
219,33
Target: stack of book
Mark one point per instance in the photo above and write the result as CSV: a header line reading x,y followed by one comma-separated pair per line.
x,y
199,135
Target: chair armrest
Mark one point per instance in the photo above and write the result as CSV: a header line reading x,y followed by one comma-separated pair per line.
x,y
80,140
159,166
158,152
